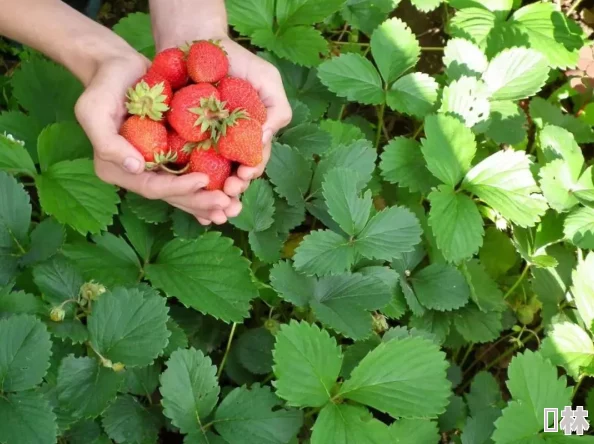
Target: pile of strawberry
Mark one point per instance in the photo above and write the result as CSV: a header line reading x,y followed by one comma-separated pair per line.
x,y
188,115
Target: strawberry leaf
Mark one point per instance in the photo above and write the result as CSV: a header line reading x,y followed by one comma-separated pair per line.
x,y
345,424
414,431
249,16
569,346
440,287
62,141
21,127
27,417
258,208
299,44
136,29
463,58
324,252
414,94
583,289
290,172
304,12
468,99
127,420
14,157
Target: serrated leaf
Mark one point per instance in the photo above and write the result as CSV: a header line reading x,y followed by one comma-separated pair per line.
x,y
290,172
308,384
208,274
440,287
189,388
403,163
515,74
254,350
476,326
397,305
414,431
14,157
307,138
569,346
62,141
578,227
127,327
583,289
402,377
72,193
414,94
463,58
449,147
557,143
543,112
456,223
348,424
497,254
145,238
58,280
136,29
505,182
395,49
85,388
473,24
27,417
342,133
557,183
288,216
479,428
266,422
21,127
468,99
484,291
454,416
46,239
507,123
15,215
305,12
430,325
353,77
249,16
12,303
185,225
258,207
324,252
127,420
110,260
71,329
26,349
267,245
291,285
150,211
299,44
485,394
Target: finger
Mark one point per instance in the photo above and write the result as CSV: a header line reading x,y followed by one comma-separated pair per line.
x,y
202,221
249,173
234,186
199,217
233,209
218,217
203,201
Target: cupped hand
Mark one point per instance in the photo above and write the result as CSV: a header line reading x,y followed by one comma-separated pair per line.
x,y
101,111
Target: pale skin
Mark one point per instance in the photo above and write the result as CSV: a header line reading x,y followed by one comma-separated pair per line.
x,y
107,66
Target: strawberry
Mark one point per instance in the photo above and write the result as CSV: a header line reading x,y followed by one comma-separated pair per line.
x,y
206,160
207,62
180,146
149,138
241,142
239,93
150,96
196,111
171,64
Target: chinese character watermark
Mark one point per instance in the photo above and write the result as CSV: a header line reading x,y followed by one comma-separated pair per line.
x,y
571,420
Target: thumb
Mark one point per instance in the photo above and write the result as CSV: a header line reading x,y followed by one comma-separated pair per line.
x,y
117,150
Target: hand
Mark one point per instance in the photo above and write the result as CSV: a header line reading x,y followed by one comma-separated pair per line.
x,y
101,111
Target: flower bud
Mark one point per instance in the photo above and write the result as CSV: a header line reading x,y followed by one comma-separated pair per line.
x,y
91,290
57,314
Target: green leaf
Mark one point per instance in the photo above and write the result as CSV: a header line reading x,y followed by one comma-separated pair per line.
x,y
345,206
288,216
21,127
414,431
305,12
85,388
110,260
129,328
266,245
249,16
463,58
145,238
46,239
549,31
299,44
456,223
403,163
290,172
353,77
291,285
265,422
534,386
414,94
556,143
207,274
485,394
26,349
440,287
579,227
411,381
72,193
185,225
479,428
150,211
484,291
515,74
127,420
583,289
342,133
19,303
136,29
142,381
307,138
27,417
448,147
543,112
58,280
467,99
15,214
254,349
348,424
62,141
189,388
391,231
14,157
258,207
307,363
71,329
505,182
395,49
507,123
497,254
473,24
569,346
476,326
324,252
557,183
47,90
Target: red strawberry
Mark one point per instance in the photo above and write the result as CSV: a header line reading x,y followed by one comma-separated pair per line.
x,y
242,142
195,112
150,96
180,146
211,163
149,138
239,93
207,62
171,64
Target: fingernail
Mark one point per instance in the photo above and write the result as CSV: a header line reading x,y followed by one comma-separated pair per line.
x,y
267,137
131,164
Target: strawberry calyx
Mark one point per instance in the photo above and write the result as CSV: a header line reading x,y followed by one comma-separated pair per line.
x,y
159,159
232,119
146,101
211,113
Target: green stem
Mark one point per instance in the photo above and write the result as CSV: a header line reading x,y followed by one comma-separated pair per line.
x,y
518,282
380,124
418,131
229,342
577,386
466,355
574,6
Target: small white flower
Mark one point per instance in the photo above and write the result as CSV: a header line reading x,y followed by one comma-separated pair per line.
x,y
13,139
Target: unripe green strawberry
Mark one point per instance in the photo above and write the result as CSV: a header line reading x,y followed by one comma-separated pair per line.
x,y
171,64
240,94
57,314
207,62
149,138
150,96
242,142
211,163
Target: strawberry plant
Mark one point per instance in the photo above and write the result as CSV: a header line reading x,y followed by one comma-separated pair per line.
x,y
415,266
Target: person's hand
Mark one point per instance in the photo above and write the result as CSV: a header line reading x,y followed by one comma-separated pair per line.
x,y
101,111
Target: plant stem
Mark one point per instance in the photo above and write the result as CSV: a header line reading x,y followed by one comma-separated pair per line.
x,y
229,342
574,6
380,124
518,282
466,355
577,386
418,131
